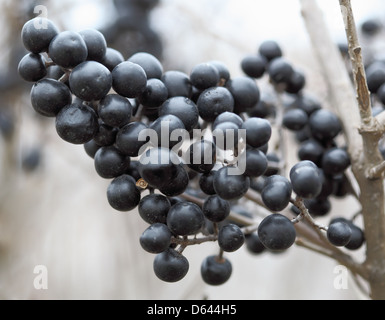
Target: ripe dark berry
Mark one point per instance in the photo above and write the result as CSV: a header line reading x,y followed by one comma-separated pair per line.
x,y
216,271
206,183
91,147
150,64
335,161
182,107
358,238
154,208
296,83
204,76
158,166
96,44
185,218
256,163
228,117
258,132
156,238
32,67
306,180
224,73
106,135
216,209
155,95
178,84
280,71
318,207
324,125
276,193
110,163
115,110
49,96
230,238
245,92
229,184
339,234
90,81
270,50
254,244
170,266
129,79
127,139
122,193
179,184
201,156
111,59
226,135
169,131
311,150
37,34
68,49
277,233
254,66
295,119
213,102
77,124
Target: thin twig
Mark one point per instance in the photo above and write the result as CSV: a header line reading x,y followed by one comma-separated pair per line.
x,y
377,171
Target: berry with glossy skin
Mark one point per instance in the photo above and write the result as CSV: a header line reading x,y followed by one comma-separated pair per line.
x,y
154,208
204,76
296,83
226,135
115,110
179,184
228,117
49,96
150,64
68,49
110,163
280,71
216,209
358,237
127,141
270,50
254,244
216,271
339,234
276,193
245,92
262,109
77,124
224,73
90,81
169,130
295,119
256,163
129,79
170,266
213,102
156,238
106,135
37,34
230,238
306,180
111,59
155,95
185,218
254,66
96,44
91,147
311,150
159,167
258,132
335,161
318,207
32,67
182,107
122,193
324,125
277,233
201,156
229,184
178,84
206,183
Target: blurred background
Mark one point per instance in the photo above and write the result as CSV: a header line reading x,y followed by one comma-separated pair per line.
x,y
53,206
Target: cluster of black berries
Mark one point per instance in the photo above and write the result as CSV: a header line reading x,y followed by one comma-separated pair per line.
x,y
192,140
